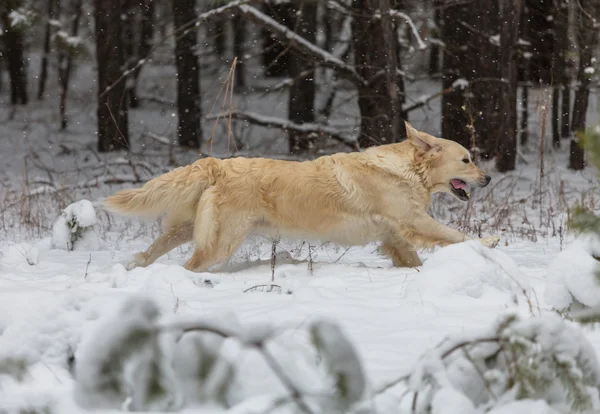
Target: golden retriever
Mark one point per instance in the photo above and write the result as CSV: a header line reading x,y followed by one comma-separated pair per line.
x,y
380,194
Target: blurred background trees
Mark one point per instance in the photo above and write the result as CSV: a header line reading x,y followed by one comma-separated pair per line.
x,y
345,67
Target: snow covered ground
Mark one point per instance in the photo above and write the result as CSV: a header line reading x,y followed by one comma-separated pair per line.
x,y
51,299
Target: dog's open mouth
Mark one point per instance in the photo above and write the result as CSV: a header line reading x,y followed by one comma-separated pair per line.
x,y
459,188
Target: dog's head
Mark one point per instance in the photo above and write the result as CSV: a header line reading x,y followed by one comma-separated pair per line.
x,y
447,164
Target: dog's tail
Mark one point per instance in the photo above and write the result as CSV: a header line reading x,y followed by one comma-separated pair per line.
x,y
177,190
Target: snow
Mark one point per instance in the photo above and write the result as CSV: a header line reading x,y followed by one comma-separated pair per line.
x,y
590,70
572,275
390,315
449,401
460,83
16,18
524,407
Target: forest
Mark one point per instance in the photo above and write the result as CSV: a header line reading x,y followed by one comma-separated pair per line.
x,y
98,96
336,61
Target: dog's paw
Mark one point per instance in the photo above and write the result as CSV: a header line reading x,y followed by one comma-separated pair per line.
x,y
138,261
490,241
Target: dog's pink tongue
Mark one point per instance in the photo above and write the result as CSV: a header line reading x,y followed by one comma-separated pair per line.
x,y
458,184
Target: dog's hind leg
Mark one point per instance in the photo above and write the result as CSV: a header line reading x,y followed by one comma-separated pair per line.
x,y
401,253
174,236
218,233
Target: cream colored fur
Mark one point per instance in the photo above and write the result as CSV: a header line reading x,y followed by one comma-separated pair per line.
x,y
378,195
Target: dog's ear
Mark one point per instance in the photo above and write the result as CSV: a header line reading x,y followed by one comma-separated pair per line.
x,y
424,142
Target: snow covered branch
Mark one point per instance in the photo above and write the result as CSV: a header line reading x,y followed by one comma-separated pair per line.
x,y
323,57
397,15
425,100
273,122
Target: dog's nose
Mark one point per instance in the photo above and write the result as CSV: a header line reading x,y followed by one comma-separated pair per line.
x,y
487,180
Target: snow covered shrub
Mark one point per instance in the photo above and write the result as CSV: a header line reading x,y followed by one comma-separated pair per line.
x,y
545,361
73,228
135,360
123,362
588,223
571,282
343,363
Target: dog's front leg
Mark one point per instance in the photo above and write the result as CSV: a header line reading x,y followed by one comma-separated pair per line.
x,y
424,231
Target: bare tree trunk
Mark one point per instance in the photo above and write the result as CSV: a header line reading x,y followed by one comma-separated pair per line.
x,y
485,80
301,105
455,123
541,35
587,39
507,144
375,59
15,56
558,71
138,35
275,57
112,112
524,61
562,37
65,75
239,38
189,129
434,49
130,41
47,36
217,32
555,117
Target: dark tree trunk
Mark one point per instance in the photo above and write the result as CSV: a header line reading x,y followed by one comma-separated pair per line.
x,y
524,61
137,38
400,91
541,35
239,38
587,40
434,49
217,32
189,129
506,153
112,100
376,61
163,16
555,117
130,44
65,74
301,105
560,22
47,34
455,36
485,80
525,114
15,56
562,38
275,57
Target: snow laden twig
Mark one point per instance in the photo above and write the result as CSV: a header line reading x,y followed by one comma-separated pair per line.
x,y
321,56
397,15
273,122
425,100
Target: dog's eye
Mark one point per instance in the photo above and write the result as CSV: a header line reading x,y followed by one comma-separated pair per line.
x,y
466,160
